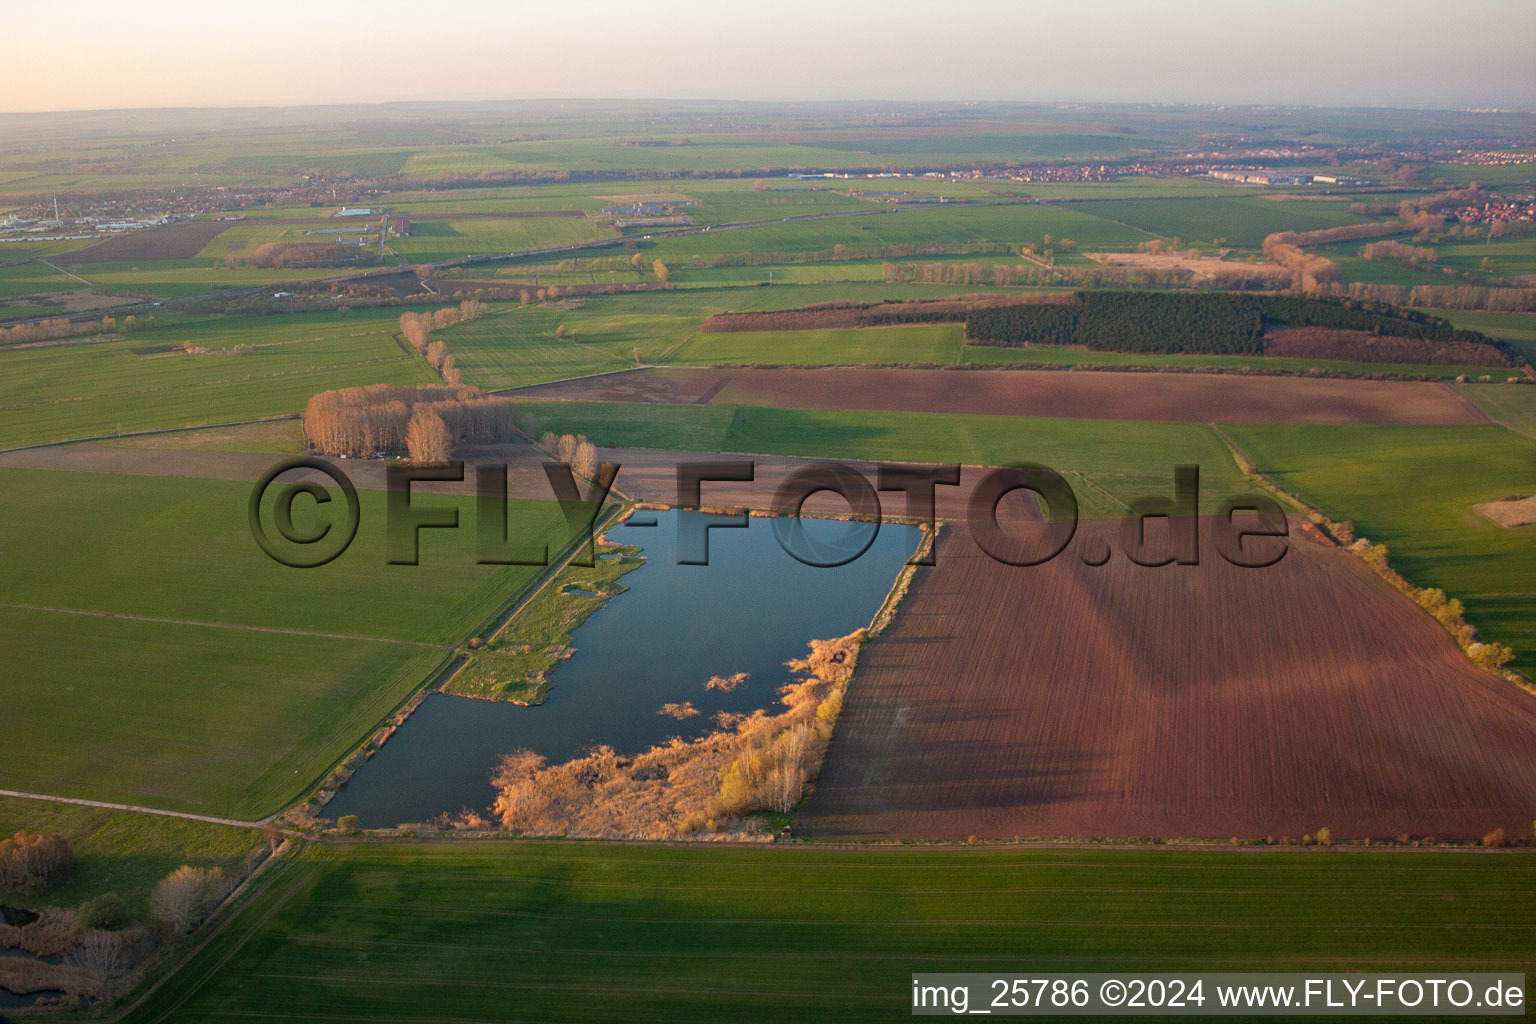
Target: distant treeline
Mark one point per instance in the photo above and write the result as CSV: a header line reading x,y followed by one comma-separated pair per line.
x,y
1448,296
1202,322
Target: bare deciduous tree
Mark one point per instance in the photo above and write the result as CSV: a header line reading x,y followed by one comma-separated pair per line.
x,y
186,896
427,438
103,956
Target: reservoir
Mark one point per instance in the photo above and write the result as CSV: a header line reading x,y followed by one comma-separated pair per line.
x,y
751,609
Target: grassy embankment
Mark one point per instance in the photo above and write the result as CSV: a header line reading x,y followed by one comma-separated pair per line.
x,y
514,665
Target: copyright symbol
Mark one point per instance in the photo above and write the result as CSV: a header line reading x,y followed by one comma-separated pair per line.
x,y
1112,992
282,514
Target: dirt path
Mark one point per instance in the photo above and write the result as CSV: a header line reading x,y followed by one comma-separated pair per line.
x,y
66,273
105,805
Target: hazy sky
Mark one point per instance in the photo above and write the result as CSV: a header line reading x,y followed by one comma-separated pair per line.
x,y
126,53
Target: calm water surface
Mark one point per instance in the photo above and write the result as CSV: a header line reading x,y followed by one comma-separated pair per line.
x,y
750,610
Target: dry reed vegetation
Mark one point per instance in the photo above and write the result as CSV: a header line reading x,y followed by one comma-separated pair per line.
x,y
753,763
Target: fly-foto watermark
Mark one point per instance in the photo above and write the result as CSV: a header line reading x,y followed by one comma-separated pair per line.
x,y
302,523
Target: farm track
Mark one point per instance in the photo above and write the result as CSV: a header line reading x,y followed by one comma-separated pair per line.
x,y
135,808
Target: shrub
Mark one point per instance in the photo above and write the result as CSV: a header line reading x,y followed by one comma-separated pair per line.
x,y
105,911
29,861
1325,836
1495,840
735,791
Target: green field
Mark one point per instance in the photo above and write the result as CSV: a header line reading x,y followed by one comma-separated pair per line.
x,y
84,390
944,345
1413,488
445,239
1240,220
119,851
520,345
1109,463
204,676
941,344
1014,225
499,931
1515,407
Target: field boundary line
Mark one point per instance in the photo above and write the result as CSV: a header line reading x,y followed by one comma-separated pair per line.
x,y
44,261
564,380
225,625
135,808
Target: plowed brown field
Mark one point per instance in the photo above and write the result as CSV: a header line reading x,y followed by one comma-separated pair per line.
x,y
1202,701
1164,397
172,242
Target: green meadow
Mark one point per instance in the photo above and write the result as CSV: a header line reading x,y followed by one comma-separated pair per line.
x,y
95,388
167,661
1242,220
1109,463
600,932
944,345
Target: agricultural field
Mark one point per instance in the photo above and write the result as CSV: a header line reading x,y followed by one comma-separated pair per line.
x,y
172,242
1162,397
1048,766
432,240
1013,224
1207,700
522,345
650,933
235,682
944,345
1514,408
1507,257
1434,535
90,388
1242,221
939,344
1107,465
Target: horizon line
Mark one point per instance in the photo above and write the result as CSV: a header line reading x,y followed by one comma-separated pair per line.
x,y
1493,109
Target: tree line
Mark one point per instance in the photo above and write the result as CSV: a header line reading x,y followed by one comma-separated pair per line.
x,y
428,424
417,330
1198,322
1447,296
1416,256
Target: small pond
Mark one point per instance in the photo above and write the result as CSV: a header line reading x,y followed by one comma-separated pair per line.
x,y
751,609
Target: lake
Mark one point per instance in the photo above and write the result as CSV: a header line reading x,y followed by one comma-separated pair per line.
x,y
752,608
